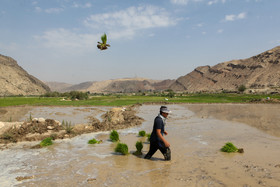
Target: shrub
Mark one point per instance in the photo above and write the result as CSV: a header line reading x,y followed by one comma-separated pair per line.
x,y
51,94
171,93
142,133
241,88
229,148
67,127
73,95
122,148
94,141
78,95
46,142
114,136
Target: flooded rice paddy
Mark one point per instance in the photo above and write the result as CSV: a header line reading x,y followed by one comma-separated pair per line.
x,y
196,133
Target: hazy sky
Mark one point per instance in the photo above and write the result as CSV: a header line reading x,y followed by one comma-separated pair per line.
x,y
55,40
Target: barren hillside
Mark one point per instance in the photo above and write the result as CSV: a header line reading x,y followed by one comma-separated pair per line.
x,y
260,73
14,80
125,85
58,86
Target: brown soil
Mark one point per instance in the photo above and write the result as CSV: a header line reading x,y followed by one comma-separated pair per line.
x,y
38,129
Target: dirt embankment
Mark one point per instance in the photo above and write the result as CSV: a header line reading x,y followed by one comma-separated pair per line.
x,y
38,129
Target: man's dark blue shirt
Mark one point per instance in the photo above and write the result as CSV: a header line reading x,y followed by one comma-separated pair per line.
x,y
158,124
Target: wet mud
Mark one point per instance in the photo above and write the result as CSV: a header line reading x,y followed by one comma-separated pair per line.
x,y
196,134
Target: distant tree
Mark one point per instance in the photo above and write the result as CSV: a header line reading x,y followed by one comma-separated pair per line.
x,y
73,95
78,95
171,93
52,94
242,88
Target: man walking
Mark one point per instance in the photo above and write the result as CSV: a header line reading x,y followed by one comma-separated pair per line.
x,y
157,141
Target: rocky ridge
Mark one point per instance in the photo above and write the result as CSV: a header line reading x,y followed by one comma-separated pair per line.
x,y
125,85
14,80
260,73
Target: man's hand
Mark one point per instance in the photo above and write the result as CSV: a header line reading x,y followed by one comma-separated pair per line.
x,y
165,133
162,138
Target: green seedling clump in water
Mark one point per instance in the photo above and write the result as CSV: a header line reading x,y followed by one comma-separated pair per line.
x,y
142,133
229,148
46,142
94,141
122,148
114,136
139,147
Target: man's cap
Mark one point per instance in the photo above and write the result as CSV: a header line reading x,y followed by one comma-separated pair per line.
x,y
164,109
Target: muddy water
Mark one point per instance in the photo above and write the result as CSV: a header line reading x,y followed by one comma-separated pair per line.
x,y
75,115
196,133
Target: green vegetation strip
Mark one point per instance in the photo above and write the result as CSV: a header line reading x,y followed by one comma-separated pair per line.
x,y
123,100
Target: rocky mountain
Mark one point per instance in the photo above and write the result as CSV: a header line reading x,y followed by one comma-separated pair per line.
x,y
125,85
58,86
14,80
163,85
260,73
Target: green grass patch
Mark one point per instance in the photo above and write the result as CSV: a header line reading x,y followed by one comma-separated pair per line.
x,y
124,100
